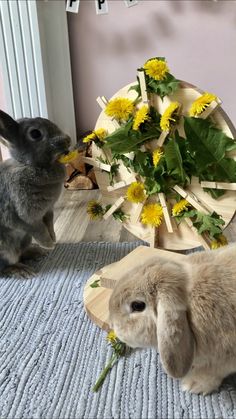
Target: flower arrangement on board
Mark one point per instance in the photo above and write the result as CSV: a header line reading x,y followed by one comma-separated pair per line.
x,y
165,158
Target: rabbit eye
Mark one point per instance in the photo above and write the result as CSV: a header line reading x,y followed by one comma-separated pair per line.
x,y
36,134
138,306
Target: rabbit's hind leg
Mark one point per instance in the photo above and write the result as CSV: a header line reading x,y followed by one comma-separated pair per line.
x,y
10,252
3,263
9,266
18,271
30,252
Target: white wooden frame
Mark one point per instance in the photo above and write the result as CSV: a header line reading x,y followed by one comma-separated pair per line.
x,y
35,61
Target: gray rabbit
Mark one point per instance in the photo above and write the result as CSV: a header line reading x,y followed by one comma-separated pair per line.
x,y
30,184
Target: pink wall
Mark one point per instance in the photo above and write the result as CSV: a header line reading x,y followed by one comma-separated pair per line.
x,y
198,38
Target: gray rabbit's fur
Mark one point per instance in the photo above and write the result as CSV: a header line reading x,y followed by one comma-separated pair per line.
x,y
188,312
30,184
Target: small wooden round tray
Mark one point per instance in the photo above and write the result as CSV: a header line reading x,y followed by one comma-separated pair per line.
x,y
96,300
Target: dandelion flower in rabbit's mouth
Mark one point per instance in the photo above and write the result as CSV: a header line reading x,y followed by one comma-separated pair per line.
x,y
68,157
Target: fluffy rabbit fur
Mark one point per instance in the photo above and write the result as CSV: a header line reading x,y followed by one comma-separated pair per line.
x,y
185,310
30,183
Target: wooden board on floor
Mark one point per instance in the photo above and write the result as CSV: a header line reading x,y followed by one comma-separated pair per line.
x,y
96,300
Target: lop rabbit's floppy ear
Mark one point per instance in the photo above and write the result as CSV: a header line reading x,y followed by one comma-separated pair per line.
x,y
9,128
175,339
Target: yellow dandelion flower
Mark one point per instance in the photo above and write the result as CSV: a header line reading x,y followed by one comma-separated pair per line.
x,y
100,133
152,214
90,137
140,117
219,242
200,104
157,69
180,206
136,192
66,158
111,337
168,116
95,210
120,108
156,156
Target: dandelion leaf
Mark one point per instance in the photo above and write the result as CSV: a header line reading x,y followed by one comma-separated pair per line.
x,y
208,145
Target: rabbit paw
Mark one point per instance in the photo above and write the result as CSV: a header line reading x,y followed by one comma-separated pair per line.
x,y
20,271
34,253
53,236
201,384
46,244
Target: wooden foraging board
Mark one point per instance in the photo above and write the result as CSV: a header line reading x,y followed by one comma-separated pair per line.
x,y
96,300
183,237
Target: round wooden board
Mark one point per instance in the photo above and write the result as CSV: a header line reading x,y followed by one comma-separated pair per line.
x,y
96,300
183,237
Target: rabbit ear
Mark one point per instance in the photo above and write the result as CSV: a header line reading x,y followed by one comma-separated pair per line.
x,y
175,339
9,128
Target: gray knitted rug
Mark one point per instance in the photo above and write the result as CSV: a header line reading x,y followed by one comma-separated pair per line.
x,y
51,353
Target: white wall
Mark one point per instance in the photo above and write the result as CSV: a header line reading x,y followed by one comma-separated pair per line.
x,y
198,38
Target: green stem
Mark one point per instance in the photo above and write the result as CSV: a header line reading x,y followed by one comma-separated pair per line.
x,y
104,373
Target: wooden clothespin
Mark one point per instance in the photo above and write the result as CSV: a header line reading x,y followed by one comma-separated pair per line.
x,y
129,155
166,213
219,185
121,184
114,207
137,212
143,87
153,238
161,139
97,164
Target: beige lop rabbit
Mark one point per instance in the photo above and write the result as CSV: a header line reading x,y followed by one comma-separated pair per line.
x,y
186,310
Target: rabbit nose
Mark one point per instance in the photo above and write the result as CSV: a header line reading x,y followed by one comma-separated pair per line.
x,y
62,141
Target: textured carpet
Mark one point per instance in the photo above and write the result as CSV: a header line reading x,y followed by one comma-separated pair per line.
x,y
51,354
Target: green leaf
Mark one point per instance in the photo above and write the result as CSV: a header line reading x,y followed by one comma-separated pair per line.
x,y
174,161
215,193
208,145
120,215
226,170
210,223
125,139
95,284
137,88
151,186
164,87
186,214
